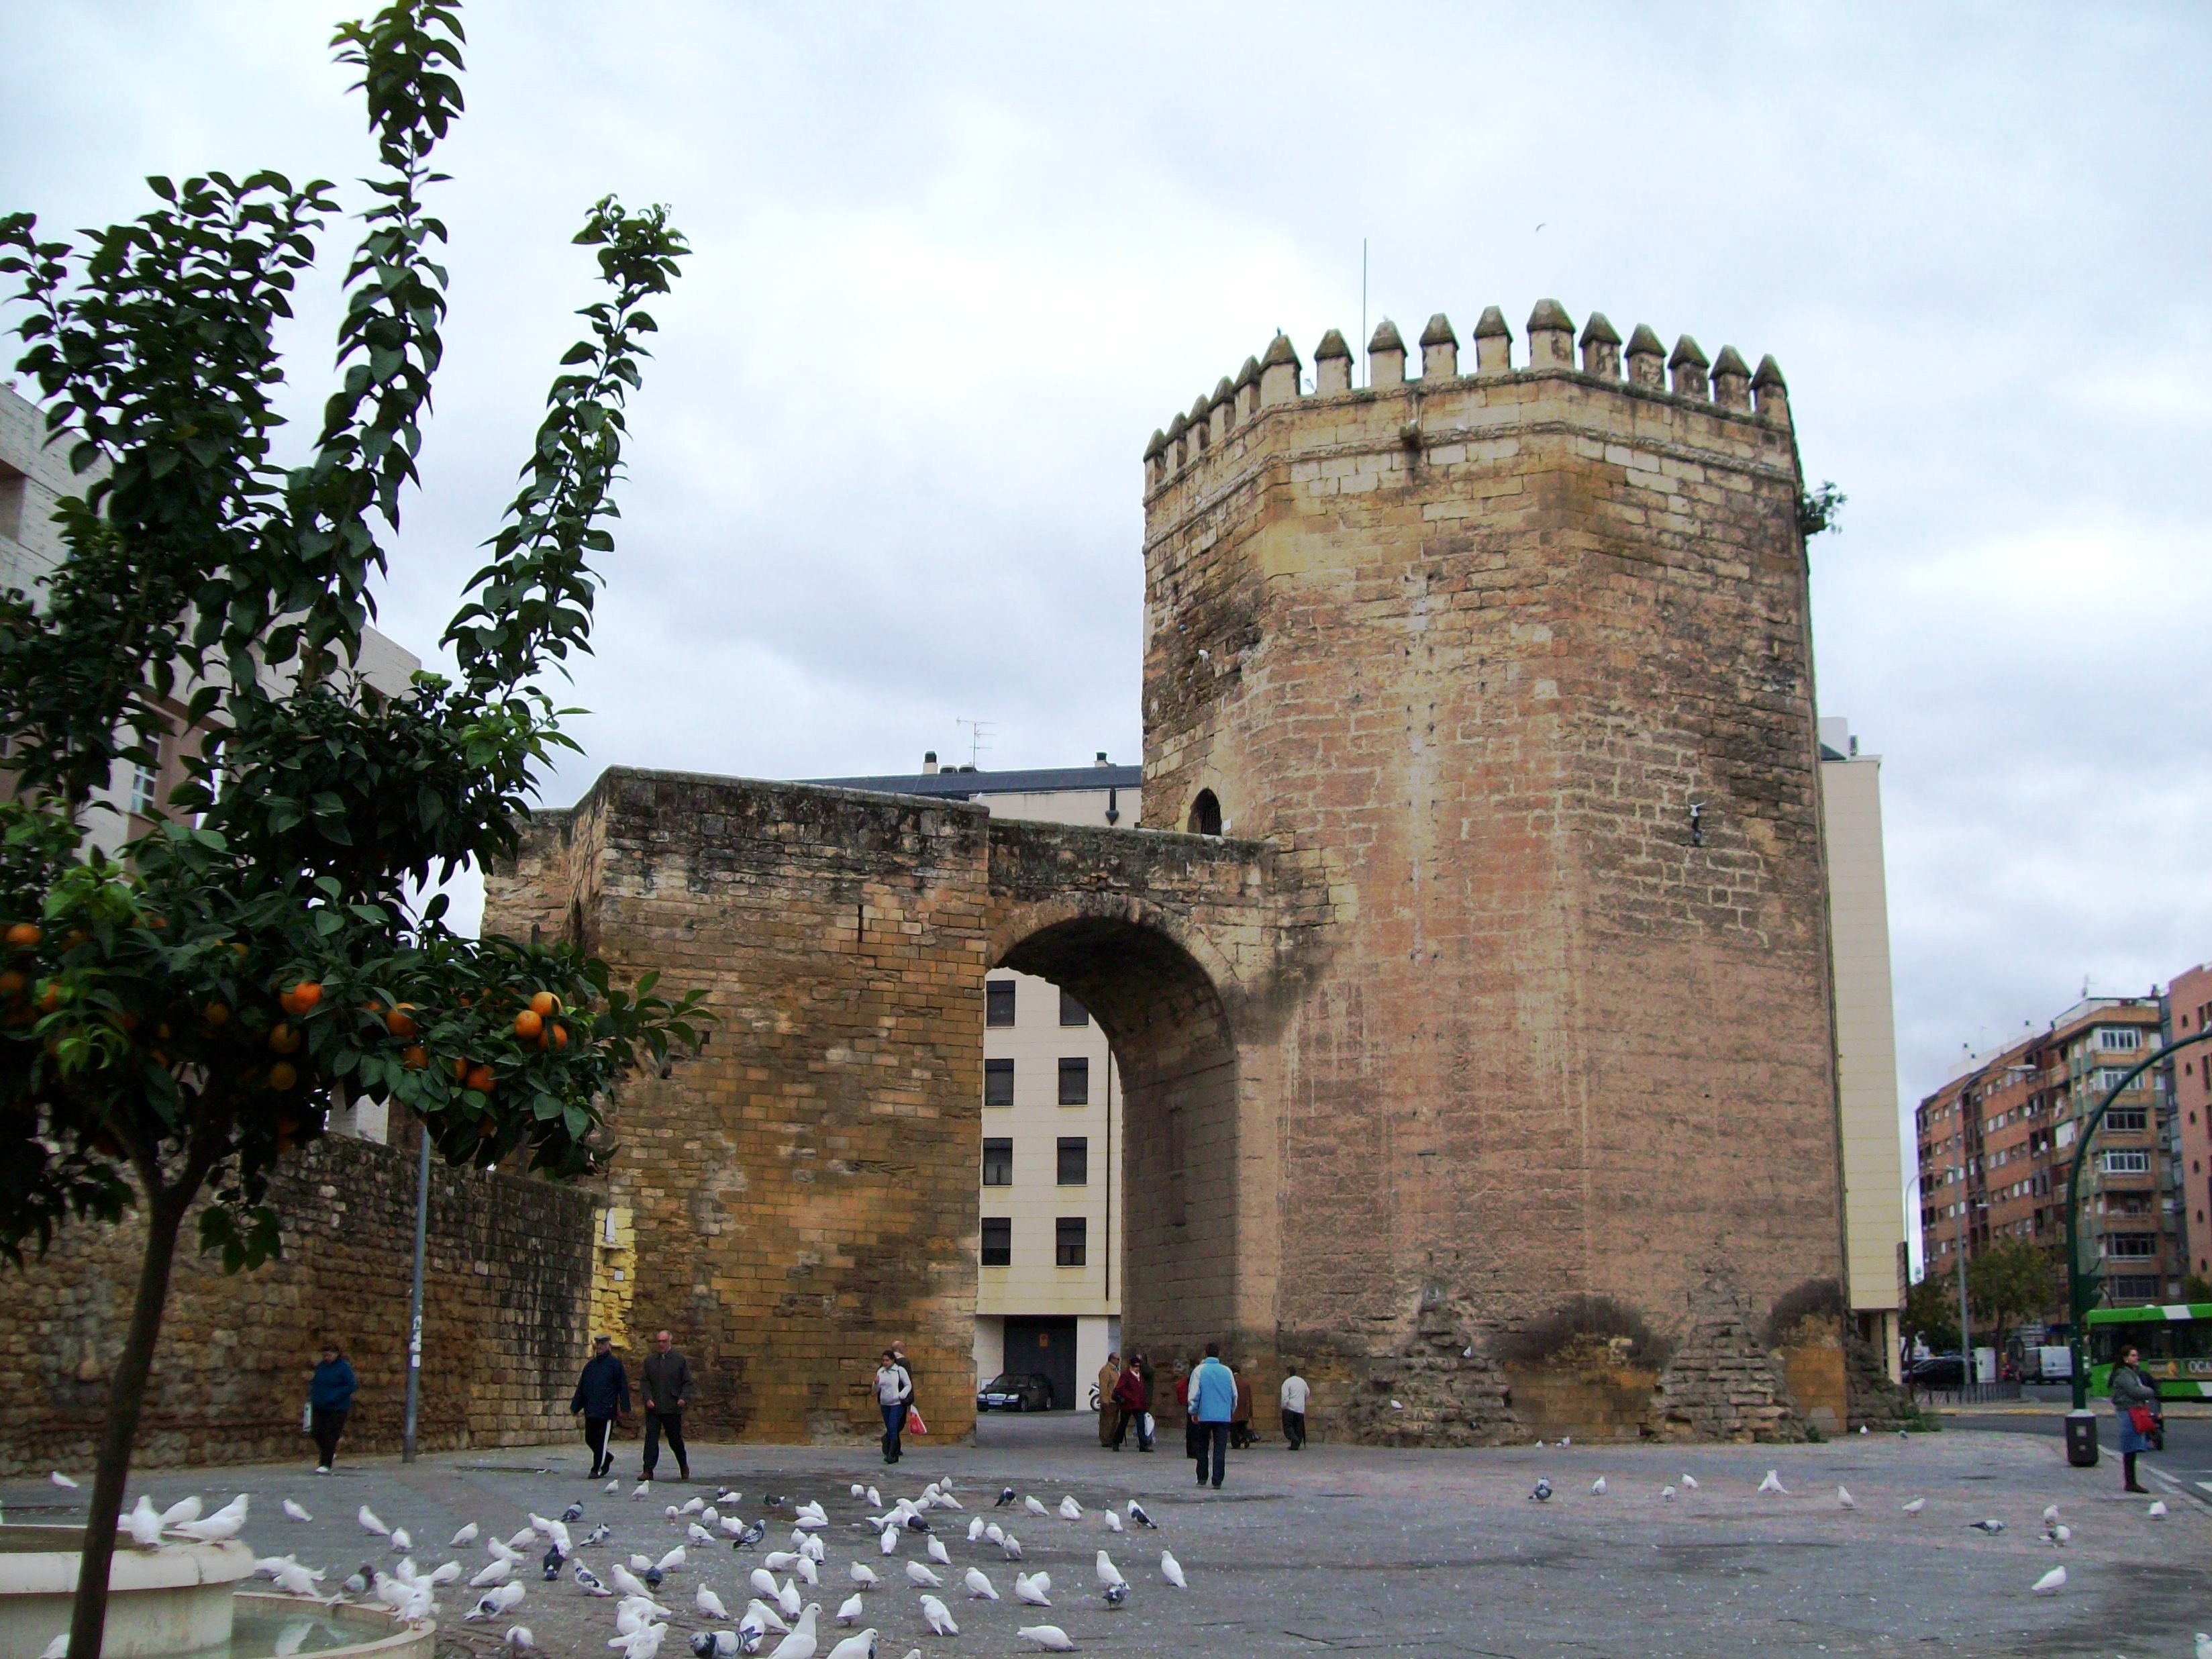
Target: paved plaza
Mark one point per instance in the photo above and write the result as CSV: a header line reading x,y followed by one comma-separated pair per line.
x,y
1352,1549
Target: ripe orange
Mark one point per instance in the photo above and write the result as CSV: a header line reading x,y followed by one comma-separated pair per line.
x,y
216,1013
545,1004
12,984
461,1071
400,1022
24,936
480,1079
50,999
284,1074
415,1058
560,1034
302,997
283,1039
528,1023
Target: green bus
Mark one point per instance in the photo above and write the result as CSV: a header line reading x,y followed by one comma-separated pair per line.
x,y
2175,1340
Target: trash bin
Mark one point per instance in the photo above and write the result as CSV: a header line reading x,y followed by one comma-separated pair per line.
x,y
2081,1439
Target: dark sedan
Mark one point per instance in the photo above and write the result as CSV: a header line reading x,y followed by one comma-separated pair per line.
x,y
1015,1391
1940,1370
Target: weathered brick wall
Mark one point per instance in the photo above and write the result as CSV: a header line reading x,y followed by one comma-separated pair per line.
x,y
506,1286
1473,646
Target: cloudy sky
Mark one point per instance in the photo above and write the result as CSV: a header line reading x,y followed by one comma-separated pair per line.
x,y
954,263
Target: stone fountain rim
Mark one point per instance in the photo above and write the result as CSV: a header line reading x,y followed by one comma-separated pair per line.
x,y
406,1633
178,1566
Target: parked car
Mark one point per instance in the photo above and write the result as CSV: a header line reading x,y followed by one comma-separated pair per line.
x,y
1938,1370
1015,1391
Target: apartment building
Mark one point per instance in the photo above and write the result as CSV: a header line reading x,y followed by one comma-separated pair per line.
x,y
1049,1290
2189,1081
1998,1141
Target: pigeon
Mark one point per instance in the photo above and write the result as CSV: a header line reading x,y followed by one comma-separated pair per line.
x,y
1028,1591
226,1522
1914,1506
550,1564
859,1490
1566,1440
751,1535
1114,1594
1399,1405
861,1645
628,1583
862,1576
296,1511
1137,1514
359,1582
598,1535
522,1540
639,1562
979,1587
1010,1547
1106,1571
2050,1511
996,1533
917,1573
1844,1500
1542,1493
1035,1506
519,1638
715,1644
889,1543
1051,1638
848,1611
1597,1487
1070,1509
1992,1528
56,1649
143,1524
708,1603
612,1488
460,1540
2053,1580
62,1481
781,1560
1171,1570
640,1489
938,1554
1773,1483
1113,1520
587,1581
974,1528
710,1517
808,1570
1666,1494
1005,1497
875,1498
401,1543
769,1618
188,1508
673,1560
368,1520
801,1642
645,1644
2157,1510
495,1603
497,1573
939,1616
693,1506
574,1512
789,1598
2057,1536
2204,1645
1689,1482
763,1582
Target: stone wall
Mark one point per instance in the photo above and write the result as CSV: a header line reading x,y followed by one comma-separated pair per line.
x,y
506,1288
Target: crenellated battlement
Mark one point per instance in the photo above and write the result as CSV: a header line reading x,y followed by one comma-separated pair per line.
x,y
1275,381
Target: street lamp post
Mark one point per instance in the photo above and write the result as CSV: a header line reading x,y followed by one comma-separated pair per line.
x,y
2077,1282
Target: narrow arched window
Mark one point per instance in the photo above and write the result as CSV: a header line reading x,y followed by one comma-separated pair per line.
x,y
1205,814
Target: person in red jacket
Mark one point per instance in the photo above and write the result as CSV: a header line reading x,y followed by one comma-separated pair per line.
x,y
1134,1399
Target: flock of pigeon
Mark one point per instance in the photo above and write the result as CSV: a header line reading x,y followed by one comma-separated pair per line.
x,y
547,1547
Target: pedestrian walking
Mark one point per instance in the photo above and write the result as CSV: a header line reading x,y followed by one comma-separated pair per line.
x,y
667,1390
330,1398
1240,1418
1109,1375
1295,1394
2134,1398
1212,1403
895,1396
1145,1421
1131,1401
602,1394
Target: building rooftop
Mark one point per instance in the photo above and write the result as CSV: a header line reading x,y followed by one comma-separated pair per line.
x,y
967,784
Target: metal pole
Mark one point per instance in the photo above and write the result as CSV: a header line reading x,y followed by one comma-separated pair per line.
x,y
1966,1217
414,1301
2077,1282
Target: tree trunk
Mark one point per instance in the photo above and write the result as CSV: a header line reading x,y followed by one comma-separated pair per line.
x,y
126,1396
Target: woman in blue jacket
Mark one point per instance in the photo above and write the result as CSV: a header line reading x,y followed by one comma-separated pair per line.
x,y
330,1397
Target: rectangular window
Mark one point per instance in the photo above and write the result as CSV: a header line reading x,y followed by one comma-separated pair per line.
x,y
998,1083
997,1162
1074,1161
2127,1163
2131,1287
1073,1013
997,1241
998,1002
145,792
2106,1079
2131,1247
2118,1039
2128,1117
1075,1082
1071,1242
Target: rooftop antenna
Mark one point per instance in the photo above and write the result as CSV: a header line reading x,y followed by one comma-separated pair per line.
x,y
979,737
1363,298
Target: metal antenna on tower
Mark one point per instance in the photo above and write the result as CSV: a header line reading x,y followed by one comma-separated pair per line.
x,y
1363,300
979,737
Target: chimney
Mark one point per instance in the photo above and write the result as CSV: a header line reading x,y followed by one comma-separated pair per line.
x,y
929,763
1102,760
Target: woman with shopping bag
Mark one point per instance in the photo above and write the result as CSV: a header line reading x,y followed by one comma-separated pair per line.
x,y
2135,1397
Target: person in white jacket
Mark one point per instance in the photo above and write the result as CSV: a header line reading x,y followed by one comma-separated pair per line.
x,y
1295,1394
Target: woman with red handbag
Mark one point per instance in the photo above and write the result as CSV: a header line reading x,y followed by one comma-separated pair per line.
x,y
2135,1397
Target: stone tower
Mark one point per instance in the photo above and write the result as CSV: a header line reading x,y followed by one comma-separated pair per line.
x,y
1512,661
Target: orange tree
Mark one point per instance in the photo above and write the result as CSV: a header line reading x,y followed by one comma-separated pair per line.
x,y
172,1025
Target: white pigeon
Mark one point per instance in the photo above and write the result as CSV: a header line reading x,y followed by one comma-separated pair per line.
x,y
2055,1579
226,1522
296,1580
1113,1521
1844,1500
56,1649
996,1533
2059,1535
1051,1638
708,1603
296,1511
861,1645
763,1582
527,1539
946,1500
1171,1570
62,1481
2050,1511
143,1524
1027,1590
445,1573
807,1571
519,1638
849,1610
671,1513
888,1542
2204,1645
693,1507
1109,1574
939,1616
645,1644
636,1612
802,1641
938,1554
858,1489
1666,1494
1070,1509
732,1524
788,1599
1597,1487
875,1498
1773,1483
1566,1440
769,1618
673,1560
918,1572
709,1516
612,1488
1689,1482
495,1603
640,1562
781,1560
368,1520
979,1587
1914,1506
184,1510
864,1576
640,1489
1010,1547
465,1537
974,1528
2157,1510
698,1534
497,1573
1035,1506
628,1583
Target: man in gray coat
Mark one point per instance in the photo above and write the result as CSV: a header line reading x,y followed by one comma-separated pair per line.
x,y
667,1389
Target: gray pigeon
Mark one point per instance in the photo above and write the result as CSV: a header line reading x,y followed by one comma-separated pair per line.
x,y
1116,1594
1004,1498
1543,1491
1136,1514
574,1512
598,1535
588,1582
1992,1528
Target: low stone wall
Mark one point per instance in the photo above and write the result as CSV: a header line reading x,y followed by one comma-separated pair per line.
x,y
507,1294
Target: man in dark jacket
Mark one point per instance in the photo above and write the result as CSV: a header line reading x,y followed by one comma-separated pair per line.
x,y
602,1394
667,1388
